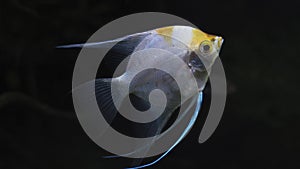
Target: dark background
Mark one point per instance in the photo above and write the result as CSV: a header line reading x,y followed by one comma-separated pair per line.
x,y
260,125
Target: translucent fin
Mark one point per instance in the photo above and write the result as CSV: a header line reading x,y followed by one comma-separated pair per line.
x,y
137,41
91,45
191,123
102,92
104,44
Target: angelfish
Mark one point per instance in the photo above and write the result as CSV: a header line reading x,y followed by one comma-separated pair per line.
x,y
198,50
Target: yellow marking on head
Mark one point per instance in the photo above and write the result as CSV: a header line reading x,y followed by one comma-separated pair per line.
x,y
199,37
166,32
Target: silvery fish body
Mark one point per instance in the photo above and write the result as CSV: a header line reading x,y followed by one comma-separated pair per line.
x,y
155,59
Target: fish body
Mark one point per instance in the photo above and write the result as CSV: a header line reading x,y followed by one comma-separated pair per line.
x,y
196,49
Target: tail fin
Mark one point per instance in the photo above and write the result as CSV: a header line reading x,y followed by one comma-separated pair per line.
x,y
101,89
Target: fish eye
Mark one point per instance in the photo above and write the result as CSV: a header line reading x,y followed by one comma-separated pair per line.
x,y
205,47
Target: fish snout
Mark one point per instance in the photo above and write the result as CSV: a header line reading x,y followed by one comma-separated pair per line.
x,y
218,42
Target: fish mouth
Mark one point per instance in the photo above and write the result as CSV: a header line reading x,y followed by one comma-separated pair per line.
x,y
219,41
